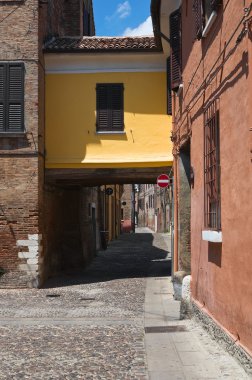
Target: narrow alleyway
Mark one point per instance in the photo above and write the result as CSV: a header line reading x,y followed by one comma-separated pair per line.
x,y
115,321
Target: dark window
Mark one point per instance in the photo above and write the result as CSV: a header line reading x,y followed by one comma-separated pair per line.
x,y
175,37
11,97
207,10
212,167
109,107
202,10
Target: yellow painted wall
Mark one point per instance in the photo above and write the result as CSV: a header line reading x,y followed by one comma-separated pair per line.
x,y
71,138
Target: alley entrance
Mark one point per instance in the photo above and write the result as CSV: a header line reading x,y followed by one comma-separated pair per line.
x,y
81,220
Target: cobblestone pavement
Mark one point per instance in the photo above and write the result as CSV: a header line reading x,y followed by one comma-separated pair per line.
x,y
91,325
87,326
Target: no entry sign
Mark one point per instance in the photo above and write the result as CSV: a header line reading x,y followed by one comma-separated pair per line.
x,y
163,180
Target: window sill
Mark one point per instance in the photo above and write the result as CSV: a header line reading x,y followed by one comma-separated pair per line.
x,y
10,134
212,236
110,132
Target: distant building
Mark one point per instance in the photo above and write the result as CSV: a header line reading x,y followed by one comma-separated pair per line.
x,y
154,207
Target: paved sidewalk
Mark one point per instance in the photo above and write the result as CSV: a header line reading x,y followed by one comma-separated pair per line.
x,y
104,323
187,354
179,349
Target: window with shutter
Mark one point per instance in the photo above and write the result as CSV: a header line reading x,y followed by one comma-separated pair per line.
x,y
212,167
202,11
175,37
11,97
109,107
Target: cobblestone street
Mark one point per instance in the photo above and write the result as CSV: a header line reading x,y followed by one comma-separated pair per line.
x,y
91,325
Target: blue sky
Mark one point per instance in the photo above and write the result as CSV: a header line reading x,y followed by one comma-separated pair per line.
x,y
122,17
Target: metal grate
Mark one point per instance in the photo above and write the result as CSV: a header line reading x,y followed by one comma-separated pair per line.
x,y
212,167
164,329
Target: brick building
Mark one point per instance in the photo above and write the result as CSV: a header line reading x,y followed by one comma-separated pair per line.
x,y
24,26
211,107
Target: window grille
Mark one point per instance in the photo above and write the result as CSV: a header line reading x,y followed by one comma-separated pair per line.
x,y
212,167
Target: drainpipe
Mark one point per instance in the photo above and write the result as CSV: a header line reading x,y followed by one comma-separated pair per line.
x,y
175,254
175,192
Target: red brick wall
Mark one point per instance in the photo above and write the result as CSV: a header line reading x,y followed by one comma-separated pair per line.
x,y
20,182
221,274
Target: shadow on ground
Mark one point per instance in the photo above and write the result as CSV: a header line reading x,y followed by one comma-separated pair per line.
x,y
130,256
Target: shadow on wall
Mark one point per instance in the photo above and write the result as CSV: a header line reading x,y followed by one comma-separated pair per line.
x,y
215,253
131,256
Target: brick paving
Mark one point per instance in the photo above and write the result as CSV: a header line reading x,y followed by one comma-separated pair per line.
x,y
90,325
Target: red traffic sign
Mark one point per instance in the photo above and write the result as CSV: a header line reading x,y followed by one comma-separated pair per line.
x,y
163,180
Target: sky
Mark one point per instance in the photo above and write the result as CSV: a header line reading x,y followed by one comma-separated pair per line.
x,y
122,17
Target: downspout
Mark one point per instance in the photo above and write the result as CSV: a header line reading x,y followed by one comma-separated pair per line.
x,y
175,194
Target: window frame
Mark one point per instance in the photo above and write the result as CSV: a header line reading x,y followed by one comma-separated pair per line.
x,y
204,19
109,128
212,174
7,100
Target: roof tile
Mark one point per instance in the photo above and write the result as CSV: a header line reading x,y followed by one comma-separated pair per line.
x,y
101,44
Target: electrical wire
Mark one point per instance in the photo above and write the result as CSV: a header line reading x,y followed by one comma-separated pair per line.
x,y
209,78
13,11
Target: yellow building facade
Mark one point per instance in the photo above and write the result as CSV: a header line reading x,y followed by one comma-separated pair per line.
x,y
72,139
106,125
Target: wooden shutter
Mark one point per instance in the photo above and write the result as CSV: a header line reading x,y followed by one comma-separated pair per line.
x,y
116,105
169,92
2,96
175,37
102,107
198,20
109,107
15,102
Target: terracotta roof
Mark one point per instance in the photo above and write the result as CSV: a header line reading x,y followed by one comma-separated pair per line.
x,y
101,44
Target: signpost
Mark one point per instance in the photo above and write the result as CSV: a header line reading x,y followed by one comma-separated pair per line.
x,y
163,180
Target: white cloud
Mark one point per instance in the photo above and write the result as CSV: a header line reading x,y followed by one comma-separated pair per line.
x,y
123,10
144,29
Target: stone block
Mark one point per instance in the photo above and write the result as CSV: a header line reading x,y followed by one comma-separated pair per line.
x,y
186,288
37,237
35,248
28,267
32,261
27,243
27,255
177,284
